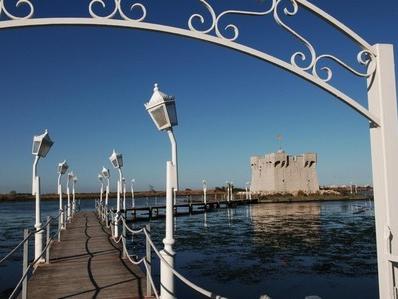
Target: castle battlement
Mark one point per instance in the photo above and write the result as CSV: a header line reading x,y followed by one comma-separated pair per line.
x,y
280,172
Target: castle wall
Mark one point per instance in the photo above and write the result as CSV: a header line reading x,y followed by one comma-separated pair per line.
x,y
279,172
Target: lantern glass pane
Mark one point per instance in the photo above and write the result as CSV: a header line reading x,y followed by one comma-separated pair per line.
x,y
36,146
44,149
159,116
120,160
64,168
172,113
114,163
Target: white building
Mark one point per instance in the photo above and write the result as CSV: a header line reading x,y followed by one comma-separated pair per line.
x,y
280,173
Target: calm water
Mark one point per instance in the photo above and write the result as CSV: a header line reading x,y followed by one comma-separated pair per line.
x,y
282,250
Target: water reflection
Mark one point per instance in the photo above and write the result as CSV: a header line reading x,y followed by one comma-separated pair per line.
x,y
287,250
277,249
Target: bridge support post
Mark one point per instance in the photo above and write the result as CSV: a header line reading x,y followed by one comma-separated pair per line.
x,y
384,147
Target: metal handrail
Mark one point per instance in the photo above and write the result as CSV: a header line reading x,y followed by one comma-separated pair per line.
x,y
32,232
143,260
45,252
30,266
34,262
16,247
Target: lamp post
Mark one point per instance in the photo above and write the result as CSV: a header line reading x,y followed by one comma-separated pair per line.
x,y
162,110
124,193
105,173
132,193
70,178
41,146
231,191
61,169
74,180
247,190
101,179
227,190
204,192
117,162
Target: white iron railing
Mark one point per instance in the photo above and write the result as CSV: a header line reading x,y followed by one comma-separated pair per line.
x,y
104,214
45,254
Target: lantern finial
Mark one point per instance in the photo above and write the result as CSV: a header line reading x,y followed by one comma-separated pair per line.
x,y
156,88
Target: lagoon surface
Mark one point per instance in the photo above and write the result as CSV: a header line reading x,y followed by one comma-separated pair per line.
x,y
286,250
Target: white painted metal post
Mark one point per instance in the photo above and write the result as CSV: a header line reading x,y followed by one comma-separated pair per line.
x,y
68,195
61,217
48,230
205,193
166,275
107,192
73,198
25,263
65,215
148,259
124,193
119,190
101,192
384,147
132,194
227,191
38,224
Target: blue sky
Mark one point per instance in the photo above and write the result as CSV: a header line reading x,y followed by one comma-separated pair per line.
x,y
87,86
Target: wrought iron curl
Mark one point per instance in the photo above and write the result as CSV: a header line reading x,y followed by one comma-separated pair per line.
x,y
117,9
364,57
216,20
19,3
202,19
297,55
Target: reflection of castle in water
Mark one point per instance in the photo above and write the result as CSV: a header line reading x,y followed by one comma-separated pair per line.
x,y
284,224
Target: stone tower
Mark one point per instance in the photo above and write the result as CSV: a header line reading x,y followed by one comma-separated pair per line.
x,y
279,173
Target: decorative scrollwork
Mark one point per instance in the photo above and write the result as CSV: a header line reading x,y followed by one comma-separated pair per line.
x,y
300,55
364,57
310,60
216,20
19,3
117,9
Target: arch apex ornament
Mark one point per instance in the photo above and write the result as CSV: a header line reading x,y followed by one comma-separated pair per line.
x,y
116,10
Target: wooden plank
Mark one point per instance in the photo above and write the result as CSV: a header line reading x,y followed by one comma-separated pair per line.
x,y
87,264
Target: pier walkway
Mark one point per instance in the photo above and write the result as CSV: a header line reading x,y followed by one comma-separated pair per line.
x,y
181,209
86,264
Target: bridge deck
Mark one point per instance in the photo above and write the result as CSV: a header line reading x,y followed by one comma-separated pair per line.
x,y
86,264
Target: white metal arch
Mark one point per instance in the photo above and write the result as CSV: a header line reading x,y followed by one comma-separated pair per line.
x,y
118,18
378,60
204,37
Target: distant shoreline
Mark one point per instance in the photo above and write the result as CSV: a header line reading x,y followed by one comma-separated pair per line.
x,y
211,194
84,196
313,198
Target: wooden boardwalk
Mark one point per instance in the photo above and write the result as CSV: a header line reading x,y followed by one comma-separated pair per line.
x,y
86,264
